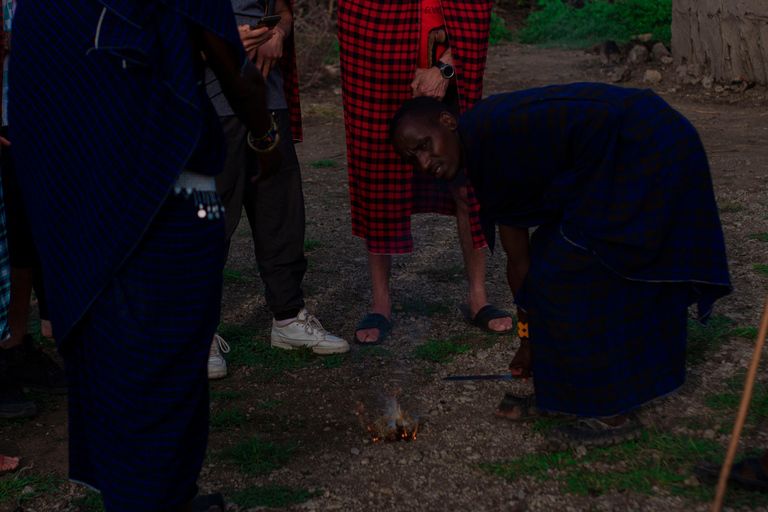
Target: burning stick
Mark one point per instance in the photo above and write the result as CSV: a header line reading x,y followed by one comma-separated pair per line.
x,y
395,425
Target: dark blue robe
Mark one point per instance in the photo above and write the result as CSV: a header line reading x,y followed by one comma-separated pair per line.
x,y
106,109
629,235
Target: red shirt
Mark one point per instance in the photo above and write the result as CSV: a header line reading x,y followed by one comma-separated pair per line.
x,y
431,18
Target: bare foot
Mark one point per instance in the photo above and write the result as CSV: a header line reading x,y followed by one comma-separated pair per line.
x,y
371,335
8,463
502,324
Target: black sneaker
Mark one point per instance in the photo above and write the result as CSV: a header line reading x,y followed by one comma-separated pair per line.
x,y
33,369
13,403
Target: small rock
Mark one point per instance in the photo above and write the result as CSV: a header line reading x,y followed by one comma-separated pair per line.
x,y
354,451
692,480
305,471
709,434
385,490
659,50
327,494
326,429
652,77
719,89
521,494
621,74
643,37
667,60
365,462
581,451
28,489
638,54
706,82
681,71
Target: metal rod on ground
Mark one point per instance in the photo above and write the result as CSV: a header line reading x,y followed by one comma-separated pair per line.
x,y
746,397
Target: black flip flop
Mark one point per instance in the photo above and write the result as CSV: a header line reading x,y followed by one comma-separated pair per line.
x,y
484,317
374,321
709,472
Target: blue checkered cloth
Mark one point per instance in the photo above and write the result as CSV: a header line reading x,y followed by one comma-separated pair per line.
x,y
629,238
5,274
104,129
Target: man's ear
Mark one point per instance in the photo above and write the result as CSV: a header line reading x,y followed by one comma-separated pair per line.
x,y
447,119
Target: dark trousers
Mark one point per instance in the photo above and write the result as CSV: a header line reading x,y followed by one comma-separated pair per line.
x,y
275,210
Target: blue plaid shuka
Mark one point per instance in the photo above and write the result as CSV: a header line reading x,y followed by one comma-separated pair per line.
x,y
628,237
103,131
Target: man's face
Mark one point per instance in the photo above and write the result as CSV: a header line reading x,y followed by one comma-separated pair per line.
x,y
432,148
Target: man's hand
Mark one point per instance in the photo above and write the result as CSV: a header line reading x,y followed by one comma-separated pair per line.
x,y
268,55
4,142
253,39
429,82
269,165
521,362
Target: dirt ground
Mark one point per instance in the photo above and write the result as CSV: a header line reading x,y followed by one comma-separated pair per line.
x,y
313,406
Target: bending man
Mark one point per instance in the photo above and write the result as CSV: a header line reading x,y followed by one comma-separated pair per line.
x,y
628,237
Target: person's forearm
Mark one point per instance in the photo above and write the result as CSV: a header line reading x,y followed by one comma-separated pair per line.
x,y
246,93
285,26
446,57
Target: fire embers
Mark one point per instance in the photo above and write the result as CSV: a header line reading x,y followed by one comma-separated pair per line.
x,y
395,425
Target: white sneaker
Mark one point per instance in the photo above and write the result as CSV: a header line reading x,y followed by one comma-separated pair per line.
x,y
217,366
306,331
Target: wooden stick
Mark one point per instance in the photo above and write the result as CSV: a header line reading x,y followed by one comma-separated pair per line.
x,y
746,397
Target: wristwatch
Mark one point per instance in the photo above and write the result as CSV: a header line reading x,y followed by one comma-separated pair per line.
x,y
446,70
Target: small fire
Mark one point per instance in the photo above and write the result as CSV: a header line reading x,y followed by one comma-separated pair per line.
x,y
395,425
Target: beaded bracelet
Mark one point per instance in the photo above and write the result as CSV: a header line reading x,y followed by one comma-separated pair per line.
x,y
266,142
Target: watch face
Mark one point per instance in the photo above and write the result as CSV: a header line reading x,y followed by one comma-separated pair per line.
x,y
447,71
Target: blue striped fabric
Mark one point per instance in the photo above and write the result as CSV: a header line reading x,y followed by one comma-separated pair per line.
x,y
105,127
5,275
630,236
138,399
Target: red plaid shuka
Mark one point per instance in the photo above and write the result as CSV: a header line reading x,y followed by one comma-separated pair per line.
x,y
379,44
291,83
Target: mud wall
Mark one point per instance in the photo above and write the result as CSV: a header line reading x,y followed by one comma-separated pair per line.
x,y
724,39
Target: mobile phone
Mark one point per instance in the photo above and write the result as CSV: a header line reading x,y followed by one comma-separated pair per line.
x,y
267,21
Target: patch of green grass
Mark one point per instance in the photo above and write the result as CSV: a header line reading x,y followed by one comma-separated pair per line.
x,y
227,419
453,274
763,269
428,371
658,461
235,276
543,425
333,361
311,244
243,232
255,457
442,351
271,496
14,424
249,347
12,486
418,306
559,24
374,351
729,400
223,397
91,502
271,404
731,208
499,31
744,332
324,164
703,339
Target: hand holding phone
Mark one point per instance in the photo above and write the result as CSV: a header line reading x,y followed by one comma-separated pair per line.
x,y
267,21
